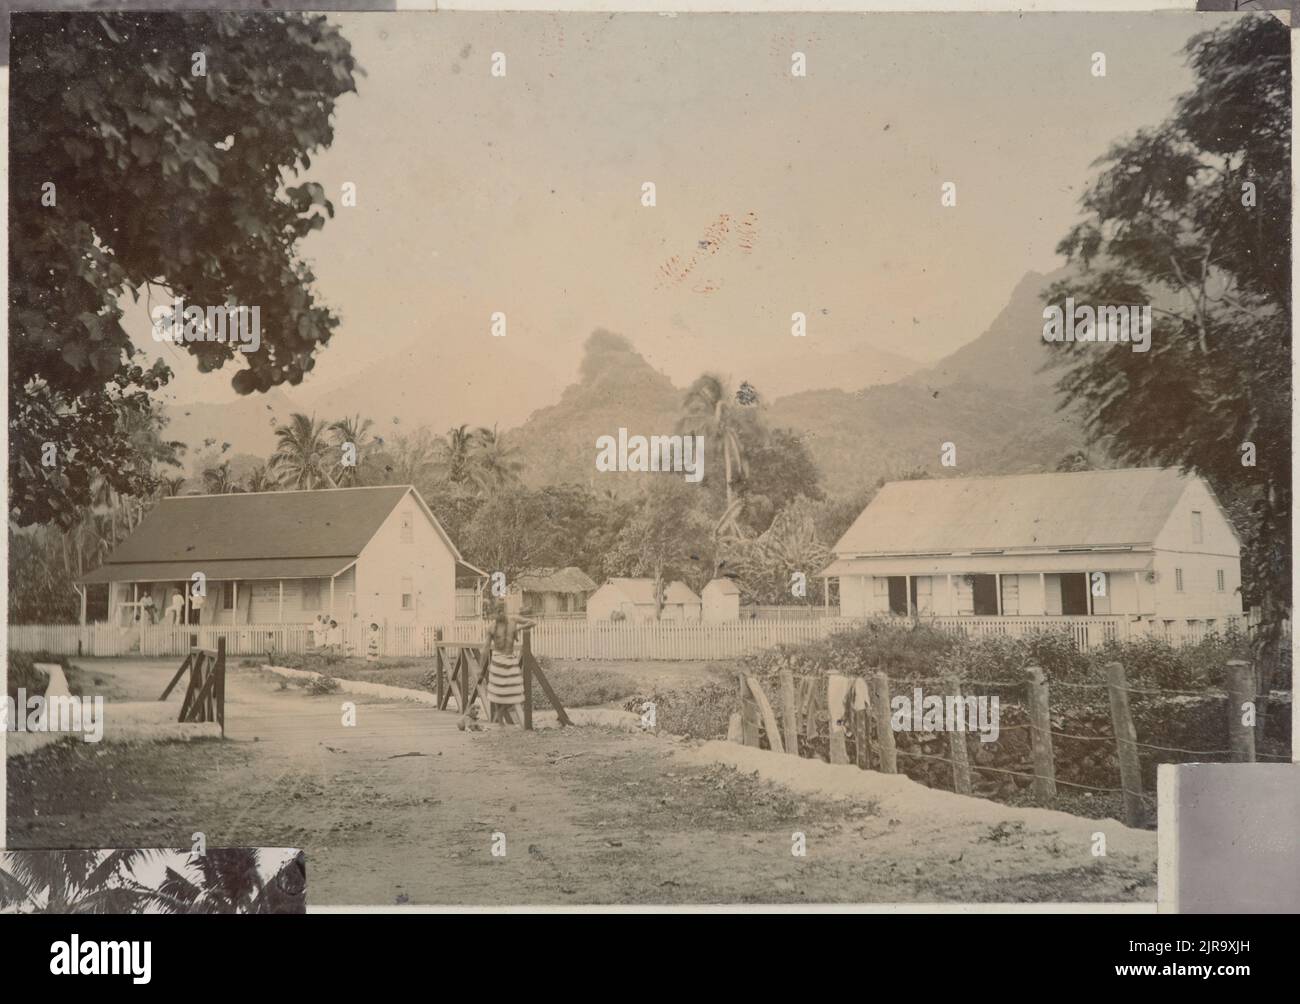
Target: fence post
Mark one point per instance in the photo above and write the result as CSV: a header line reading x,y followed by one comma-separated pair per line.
x,y
839,752
957,746
440,670
748,717
808,710
1241,690
1040,734
884,731
788,713
861,725
526,664
1130,768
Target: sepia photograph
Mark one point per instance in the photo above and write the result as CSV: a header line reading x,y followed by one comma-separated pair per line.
x,y
612,460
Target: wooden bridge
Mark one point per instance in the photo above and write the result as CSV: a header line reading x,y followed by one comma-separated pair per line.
x,y
461,670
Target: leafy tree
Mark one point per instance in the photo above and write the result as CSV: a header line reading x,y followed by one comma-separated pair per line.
x,y
791,544
40,578
162,178
667,538
780,469
408,459
549,527
1194,218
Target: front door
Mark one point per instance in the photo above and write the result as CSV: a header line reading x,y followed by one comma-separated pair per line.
x,y
898,595
1074,593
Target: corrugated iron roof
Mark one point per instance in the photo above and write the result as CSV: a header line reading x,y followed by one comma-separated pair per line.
x,y
216,571
1080,509
195,530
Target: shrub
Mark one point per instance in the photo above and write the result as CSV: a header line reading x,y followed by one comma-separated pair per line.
x,y
23,672
901,648
700,711
322,685
580,687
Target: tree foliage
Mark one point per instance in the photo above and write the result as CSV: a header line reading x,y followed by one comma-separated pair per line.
x,y
1194,218
163,180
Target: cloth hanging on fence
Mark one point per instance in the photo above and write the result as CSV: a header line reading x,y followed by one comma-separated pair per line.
x,y
505,679
837,689
861,695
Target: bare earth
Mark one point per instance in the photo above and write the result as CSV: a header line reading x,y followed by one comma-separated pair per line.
x,y
402,808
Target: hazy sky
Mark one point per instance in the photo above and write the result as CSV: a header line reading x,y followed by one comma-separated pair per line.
x,y
522,194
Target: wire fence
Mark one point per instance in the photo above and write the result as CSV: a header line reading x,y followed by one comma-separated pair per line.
x,y
865,716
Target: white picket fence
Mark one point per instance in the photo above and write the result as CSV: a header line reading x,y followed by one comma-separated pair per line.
x,y
567,639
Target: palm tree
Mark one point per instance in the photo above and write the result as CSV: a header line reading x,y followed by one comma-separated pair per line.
x,y
492,464
457,446
302,456
230,881
710,409
171,487
70,881
259,480
217,480
356,431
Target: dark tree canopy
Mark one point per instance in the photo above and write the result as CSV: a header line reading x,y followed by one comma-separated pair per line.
x,y
1194,218
167,182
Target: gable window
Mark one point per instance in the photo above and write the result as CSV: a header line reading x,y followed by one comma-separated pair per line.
x,y
227,596
311,594
408,595
408,526
1178,579
1198,531
1219,575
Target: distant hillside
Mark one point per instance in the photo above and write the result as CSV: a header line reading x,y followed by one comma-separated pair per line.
x,y
246,424
814,368
989,398
1009,354
616,389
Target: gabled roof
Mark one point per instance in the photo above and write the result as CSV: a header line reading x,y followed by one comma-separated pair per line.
x,y
725,586
642,591
256,534
564,580
1081,509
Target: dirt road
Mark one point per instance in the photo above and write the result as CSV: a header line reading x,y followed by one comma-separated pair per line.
x,y
403,808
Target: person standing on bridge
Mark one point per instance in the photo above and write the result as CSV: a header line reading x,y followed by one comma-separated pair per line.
x,y
505,678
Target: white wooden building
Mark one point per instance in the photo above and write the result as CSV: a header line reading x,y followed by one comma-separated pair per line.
x,y
368,554
634,599
1147,544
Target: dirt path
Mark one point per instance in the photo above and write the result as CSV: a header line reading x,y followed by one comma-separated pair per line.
x,y
402,807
